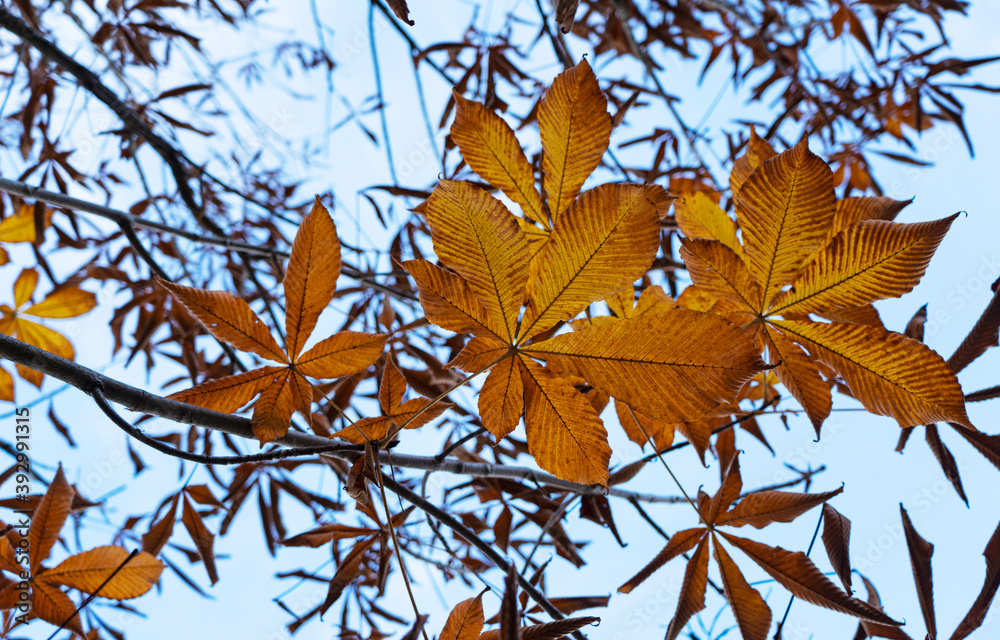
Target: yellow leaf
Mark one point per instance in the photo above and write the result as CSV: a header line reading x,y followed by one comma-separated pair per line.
x,y
491,149
751,612
67,302
6,385
24,287
890,374
868,261
448,302
605,240
575,128
475,236
20,227
230,393
800,375
784,208
699,217
757,151
865,314
229,318
565,434
720,272
465,621
342,354
43,338
88,570
673,366
311,276
4,256
501,399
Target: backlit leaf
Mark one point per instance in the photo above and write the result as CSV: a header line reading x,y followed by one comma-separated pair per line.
x,y
605,241
575,128
342,354
751,612
478,238
565,434
230,393
762,508
491,149
756,152
88,570
800,375
67,302
669,365
465,621
890,374
229,318
692,598
448,301
868,261
680,542
501,398
719,271
698,216
53,606
784,209
204,540
797,573
48,519
310,277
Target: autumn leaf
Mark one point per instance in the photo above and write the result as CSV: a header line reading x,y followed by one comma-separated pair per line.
x,y
601,242
107,571
395,412
465,621
64,302
805,253
793,570
309,284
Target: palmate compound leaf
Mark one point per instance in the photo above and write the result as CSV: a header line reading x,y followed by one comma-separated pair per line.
x,y
310,283
890,374
692,598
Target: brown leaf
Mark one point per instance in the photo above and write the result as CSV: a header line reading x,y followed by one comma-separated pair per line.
x,y
762,508
48,519
945,459
681,542
692,598
401,10
797,573
346,573
203,539
160,531
977,613
751,612
465,621
837,540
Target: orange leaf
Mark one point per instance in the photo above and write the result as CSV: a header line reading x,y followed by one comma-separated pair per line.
x,y
698,216
762,508
785,209
605,241
229,319
465,621
565,434
752,614
6,385
342,354
88,570
478,353
719,271
346,573
311,276
674,365
475,235
48,519
272,413
640,428
680,542
491,149
448,301
757,151
575,128
230,393
159,532
857,208
501,399
800,375
53,606
890,374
